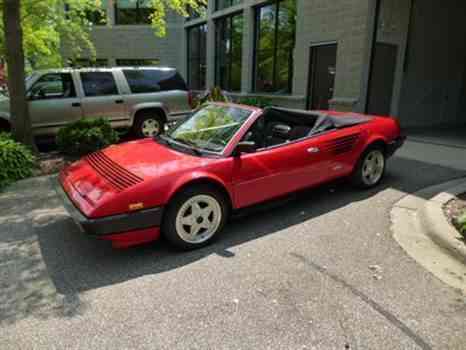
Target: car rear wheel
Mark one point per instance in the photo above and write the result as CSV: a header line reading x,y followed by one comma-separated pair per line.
x,y
149,124
371,168
194,217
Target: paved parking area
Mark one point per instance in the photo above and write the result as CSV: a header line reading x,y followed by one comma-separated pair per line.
x,y
296,275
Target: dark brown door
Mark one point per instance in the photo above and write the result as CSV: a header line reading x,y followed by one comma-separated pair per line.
x,y
322,76
383,78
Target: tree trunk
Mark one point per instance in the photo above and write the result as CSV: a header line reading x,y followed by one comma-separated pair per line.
x,y
19,111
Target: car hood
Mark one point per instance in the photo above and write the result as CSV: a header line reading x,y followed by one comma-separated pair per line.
x,y
122,171
148,159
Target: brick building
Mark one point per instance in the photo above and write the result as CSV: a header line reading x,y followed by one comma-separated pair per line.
x,y
400,57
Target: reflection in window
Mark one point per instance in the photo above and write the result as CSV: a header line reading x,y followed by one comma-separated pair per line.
x,y
200,13
229,41
223,4
275,41
87,62
54,85
197,40
98,84
133,11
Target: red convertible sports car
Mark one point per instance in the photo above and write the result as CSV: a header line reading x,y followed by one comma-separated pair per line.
x,y
184,184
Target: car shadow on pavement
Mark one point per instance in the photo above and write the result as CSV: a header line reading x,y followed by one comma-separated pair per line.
x,y
78,263
53,263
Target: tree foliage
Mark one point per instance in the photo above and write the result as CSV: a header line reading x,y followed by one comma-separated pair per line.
x,y
49,23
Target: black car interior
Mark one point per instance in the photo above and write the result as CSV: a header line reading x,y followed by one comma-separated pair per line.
x,y
277,126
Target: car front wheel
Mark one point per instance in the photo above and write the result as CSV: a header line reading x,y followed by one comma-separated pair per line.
x,y
194,217
370,169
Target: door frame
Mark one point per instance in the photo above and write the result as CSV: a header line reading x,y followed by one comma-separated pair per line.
x,y
311,72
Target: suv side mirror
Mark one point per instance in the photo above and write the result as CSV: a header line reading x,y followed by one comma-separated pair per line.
x,y
245,147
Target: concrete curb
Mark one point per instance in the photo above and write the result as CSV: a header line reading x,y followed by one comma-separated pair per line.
x,y
422,230
437,227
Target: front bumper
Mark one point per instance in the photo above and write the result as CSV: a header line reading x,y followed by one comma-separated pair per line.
x,y
111,225
393,146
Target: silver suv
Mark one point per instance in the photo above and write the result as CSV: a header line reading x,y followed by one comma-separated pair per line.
x,y
143,98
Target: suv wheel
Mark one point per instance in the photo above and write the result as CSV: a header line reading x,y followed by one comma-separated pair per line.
x,y
149,124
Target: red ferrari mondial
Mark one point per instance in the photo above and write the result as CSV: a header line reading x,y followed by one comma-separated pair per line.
x,y
184,184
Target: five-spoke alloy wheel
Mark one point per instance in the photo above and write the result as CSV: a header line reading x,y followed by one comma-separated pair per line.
x,y
371,168
195,216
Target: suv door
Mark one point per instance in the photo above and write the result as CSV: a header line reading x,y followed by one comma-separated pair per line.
x,y
101,97
53,102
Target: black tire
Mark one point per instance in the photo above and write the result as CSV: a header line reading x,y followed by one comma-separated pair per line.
x,y
169,224
359,178
144,117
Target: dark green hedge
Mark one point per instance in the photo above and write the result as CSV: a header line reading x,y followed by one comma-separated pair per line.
x,y
16,161
86,136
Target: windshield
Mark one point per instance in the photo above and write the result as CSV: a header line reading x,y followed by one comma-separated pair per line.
x,y
211,128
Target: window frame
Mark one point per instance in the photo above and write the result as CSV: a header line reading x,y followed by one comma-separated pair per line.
x,y
138,15
257,28
61,74
117,88
199,59
229,58
231,4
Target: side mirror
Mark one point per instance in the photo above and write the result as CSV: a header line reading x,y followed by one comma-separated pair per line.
x,y
245,147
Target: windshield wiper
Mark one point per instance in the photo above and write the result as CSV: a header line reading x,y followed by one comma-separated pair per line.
x,y
191,145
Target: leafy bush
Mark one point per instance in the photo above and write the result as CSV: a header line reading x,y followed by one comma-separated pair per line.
x,y
86,136
213,95
260,102
461,223
16,161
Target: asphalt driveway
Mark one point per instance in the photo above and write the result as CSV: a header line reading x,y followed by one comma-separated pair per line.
x,y
298,274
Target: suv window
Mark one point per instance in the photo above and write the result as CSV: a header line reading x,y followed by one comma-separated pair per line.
x,y
99,84
153,80
53,85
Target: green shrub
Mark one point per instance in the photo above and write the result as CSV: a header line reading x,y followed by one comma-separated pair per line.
x,y
213,95
86,136
16,161
462,224
260,102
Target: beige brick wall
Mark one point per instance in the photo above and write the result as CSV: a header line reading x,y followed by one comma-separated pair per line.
x,y
340,21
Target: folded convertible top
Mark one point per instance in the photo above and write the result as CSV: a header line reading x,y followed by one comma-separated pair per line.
x,y
323,121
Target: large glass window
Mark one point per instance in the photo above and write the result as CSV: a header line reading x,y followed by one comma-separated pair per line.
x,y
201,13
222,4
275,41
53,85
134,62
98,84
228,53
133,11
153,80
197,41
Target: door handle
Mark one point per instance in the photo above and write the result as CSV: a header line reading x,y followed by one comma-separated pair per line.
x,y
76,104
313,150
119,101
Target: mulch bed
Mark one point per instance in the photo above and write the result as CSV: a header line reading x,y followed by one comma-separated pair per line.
x,y
455,208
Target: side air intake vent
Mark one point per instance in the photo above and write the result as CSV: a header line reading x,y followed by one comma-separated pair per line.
x,y
116,175
342,145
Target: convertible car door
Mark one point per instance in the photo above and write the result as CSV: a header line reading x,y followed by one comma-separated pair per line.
x,y
276,171
342,148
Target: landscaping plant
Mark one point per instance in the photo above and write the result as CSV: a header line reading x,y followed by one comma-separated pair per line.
x,y
260,102
16,161
461,224
86,136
